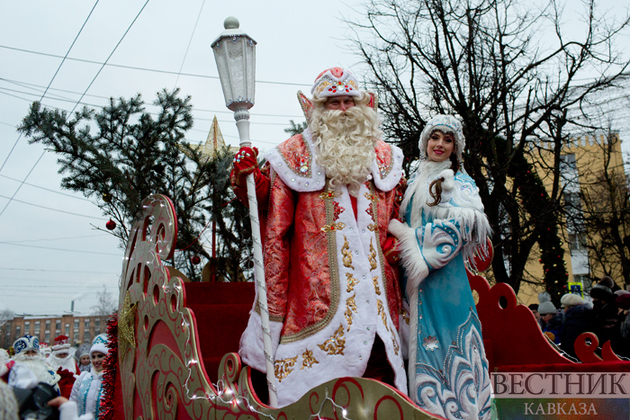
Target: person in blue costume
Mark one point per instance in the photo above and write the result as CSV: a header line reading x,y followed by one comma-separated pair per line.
x,y
445,225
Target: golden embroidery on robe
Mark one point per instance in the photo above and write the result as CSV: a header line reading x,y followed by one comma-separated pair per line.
x,y
405,316
336,344
381,312
283,368
333,227
351,305
351,282
376,288
308,360
347,254
329,195
395,342
372,257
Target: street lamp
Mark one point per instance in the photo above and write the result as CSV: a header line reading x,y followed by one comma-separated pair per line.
x,y
235,54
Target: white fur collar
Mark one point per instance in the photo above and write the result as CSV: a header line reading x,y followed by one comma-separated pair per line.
x,y
315,179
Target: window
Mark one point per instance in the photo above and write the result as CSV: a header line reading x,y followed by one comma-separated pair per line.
x,y
87,324
76,325
47,336
37,325
58,325
48,325
18,331
86,337
67,328
27,327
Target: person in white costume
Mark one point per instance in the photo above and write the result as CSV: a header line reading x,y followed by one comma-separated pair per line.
x,y
88,388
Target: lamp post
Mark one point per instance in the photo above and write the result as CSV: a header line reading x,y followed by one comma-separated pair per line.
x,y
235,54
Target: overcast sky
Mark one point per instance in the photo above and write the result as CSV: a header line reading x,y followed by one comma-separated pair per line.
x,y
50,252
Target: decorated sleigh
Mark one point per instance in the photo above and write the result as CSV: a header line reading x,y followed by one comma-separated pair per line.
x,y
176,342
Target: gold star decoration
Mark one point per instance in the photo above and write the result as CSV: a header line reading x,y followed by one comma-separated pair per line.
x,y
214,142
126,325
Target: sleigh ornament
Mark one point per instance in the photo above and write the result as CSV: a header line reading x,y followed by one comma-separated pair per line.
x,y
177,341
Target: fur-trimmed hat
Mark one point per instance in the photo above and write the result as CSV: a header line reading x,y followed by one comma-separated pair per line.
x,y
570,300
62,345
335,81
547,308
82,350
601,292
28,342
607,281
623,301
445,124
99,344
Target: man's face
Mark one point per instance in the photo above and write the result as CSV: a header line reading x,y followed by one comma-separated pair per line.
x,y
62,355
340,103
547,317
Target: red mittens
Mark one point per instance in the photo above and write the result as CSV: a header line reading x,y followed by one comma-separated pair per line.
x,y
245,163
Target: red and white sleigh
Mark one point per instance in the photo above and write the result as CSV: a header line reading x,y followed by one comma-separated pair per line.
x,y
177,344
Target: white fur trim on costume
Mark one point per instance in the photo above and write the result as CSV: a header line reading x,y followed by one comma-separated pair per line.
x,y
449,179
99,344
395,174
317,178
298,182
251,347
68,411
416,267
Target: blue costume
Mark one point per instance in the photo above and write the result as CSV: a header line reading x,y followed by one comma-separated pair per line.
x,y
448,369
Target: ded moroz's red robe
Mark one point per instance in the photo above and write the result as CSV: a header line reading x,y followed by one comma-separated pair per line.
x,y
329,288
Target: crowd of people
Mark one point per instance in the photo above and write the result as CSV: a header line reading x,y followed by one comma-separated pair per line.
x,y
64,383
602,311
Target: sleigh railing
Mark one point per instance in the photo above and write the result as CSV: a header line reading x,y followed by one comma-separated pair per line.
x,y
177,355
161,362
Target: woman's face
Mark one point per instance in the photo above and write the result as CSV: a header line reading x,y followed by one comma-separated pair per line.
x,y
440,146
97,361
85,360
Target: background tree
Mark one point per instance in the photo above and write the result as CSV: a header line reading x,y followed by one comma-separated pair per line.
x,y
296,128
106,304
601,211
514,77
122,154
5,315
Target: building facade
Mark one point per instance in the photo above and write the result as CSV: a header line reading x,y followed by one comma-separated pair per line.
x,y
78,329
594,193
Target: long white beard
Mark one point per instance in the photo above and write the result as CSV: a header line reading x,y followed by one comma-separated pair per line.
x,y
64,363
346,142
37,364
